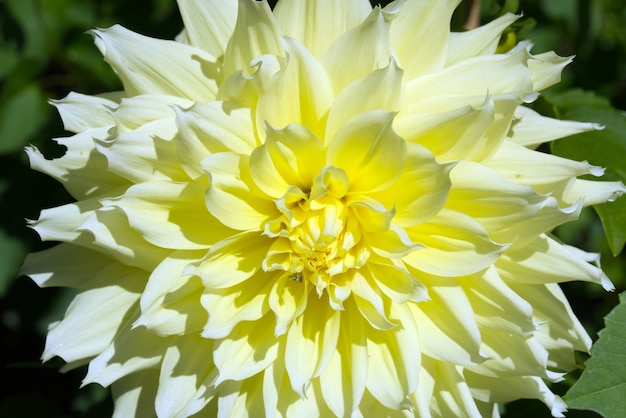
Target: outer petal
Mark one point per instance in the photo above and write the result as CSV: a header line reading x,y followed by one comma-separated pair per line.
x,y
80,112
255,34
369,151
343,382
209,128
170,215
538,169
249,349
359,51
469,82
421,191
447,326
299,93
394,362
531,129
153,66
82,170
209,24
182,374
89,325
49,268
169,303
318,23
312,336
534,264
420,35
480,41
456,245
381,89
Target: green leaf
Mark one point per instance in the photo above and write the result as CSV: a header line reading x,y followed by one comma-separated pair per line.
x,y
21,117
605,148
13,251
602,385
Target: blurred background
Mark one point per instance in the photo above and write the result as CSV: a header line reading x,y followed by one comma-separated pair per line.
x,y
45,53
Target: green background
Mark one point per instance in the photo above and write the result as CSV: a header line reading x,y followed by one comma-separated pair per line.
x,y
45,53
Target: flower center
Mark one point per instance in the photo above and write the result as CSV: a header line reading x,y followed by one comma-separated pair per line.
x,y
318,235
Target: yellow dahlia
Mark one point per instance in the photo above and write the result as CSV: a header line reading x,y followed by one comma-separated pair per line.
x,y
321,210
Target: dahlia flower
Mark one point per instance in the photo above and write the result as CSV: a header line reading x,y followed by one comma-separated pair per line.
x,y
327,209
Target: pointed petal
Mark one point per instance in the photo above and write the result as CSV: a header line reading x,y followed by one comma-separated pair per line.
x,y
167,215
209,128
299,93
89,325
183,370
380,90
312,336
153,66
81,112
232,196
255,34
291,156
447,324
317,24
530,129
419,35
369,151
208,24
131,351
394,363
480,41
228,307
231,261
359,51
247,350
455,245
169,302
343,382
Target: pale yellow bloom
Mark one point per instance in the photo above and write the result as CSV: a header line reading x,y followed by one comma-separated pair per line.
x,y
324,210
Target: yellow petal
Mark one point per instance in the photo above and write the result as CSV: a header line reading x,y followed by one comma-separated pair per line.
x,y
292,156
255,34
232,196
208,24
455,245
228,307
393,364
299,93
419,35
381,89
359,51
168,214
181,377
170,299
318,23
312,336
343,382
369,151
231,261
447,324
209,128
246,351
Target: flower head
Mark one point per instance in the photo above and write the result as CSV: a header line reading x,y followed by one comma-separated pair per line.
x,y
321,210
